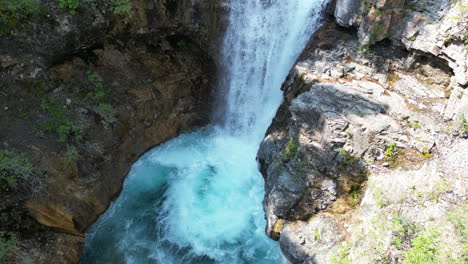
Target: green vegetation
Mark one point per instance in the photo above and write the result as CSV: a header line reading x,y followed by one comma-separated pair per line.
x,y
448,39
413,38
15,14
106,112
317,234
71,5
355,193
60,121
463,123
346,157
459,218
114,6
423,249
72,154
425,152
341,257
377,28
391,150
363,50
6,246
408,10
95,101
415,125
401,226
379,198
121,7
367,7
290,150
181,44
378,12
13,166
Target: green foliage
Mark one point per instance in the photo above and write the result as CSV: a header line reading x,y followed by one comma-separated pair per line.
x,y
341,257
413,38
6,246
425,152
96,100
415,125
72,154
423,249
290,150
379,198
397,242
13,166
402,227
378,12
459,218
391,150
121,7
16,14
363,50
346,157
377,28
408,10
317,234
71,5
60,121
355,193
367,7
181,44
463,123
106,112
448,39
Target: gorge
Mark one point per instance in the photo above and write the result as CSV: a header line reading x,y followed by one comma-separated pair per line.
x,y
138,131
197,198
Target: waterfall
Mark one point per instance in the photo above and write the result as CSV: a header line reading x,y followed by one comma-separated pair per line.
x,y
198,198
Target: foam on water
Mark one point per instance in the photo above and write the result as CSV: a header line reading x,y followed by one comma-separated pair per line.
x,y
198,198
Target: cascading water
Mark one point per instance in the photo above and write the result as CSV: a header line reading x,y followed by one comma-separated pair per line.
x,y
197,198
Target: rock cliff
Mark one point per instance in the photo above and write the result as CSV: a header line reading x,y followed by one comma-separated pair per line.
x,y
363,162
84,92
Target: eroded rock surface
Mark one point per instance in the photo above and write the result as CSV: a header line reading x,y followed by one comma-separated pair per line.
x,y
353,119
437,27
82,96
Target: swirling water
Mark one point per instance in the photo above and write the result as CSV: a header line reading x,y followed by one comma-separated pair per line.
x,y
198,198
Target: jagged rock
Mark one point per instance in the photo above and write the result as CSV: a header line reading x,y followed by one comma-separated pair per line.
x,y
436,27
333,131
156,88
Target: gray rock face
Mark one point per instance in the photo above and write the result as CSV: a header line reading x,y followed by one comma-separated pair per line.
x,y
436,27
346,11
311,240
348,115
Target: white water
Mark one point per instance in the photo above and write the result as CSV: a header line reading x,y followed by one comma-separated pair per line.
x,y
197,198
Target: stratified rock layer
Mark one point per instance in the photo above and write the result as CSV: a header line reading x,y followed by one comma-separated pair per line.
x,y
354,149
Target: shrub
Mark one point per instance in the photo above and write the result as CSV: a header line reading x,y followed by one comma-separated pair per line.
x,y
341,257
71,5
16,14
423,249
59,120
6,246
391,150
106,112
72,154
121,7
290,150
13,166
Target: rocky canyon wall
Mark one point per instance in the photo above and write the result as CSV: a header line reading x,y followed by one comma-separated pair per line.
x,y
84,92
364,159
